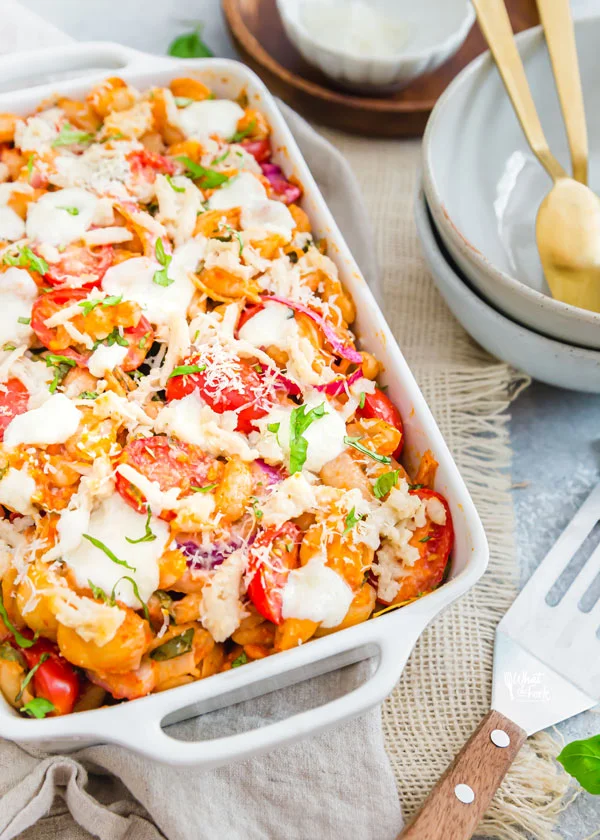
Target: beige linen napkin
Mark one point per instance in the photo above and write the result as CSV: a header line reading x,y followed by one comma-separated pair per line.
x,y
337,785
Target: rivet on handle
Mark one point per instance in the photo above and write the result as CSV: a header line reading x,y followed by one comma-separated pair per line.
x,y
464,794
500,738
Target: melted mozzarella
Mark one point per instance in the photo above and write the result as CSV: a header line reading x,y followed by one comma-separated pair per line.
x,y
289,499
221,609
133,279
105,358
111,524
37,133
265,217
55,421
12,226
242,191
317,593
16,489
193,422
158,499
97,168
49,220
18,293
271,327
211,116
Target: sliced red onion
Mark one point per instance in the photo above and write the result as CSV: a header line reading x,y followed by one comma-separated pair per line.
x,y
289,192
340,348
273,474
207,557
291,387
339,386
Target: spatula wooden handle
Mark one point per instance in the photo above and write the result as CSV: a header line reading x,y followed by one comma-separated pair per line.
x,y
457,803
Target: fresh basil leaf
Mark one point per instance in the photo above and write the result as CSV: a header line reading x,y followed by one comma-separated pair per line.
x,y
72,211
300,420
111,556
361,402
25,258
273,427
190,45
581,759
18,637
354,442
384,483
176,646
425,539
206,489
53,359
240,135
161,277
136,592
174,186
22,320
242,659
29,676
98,592
89,395
114,337
185,370
39,707
209,178
68,135
149,535
352,519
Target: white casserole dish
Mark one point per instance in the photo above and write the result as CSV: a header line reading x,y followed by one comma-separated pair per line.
x,y
138,724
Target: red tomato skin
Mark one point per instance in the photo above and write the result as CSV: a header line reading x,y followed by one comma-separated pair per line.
x,y
14,399
259,149
144,162
380,406
55,679
47,305
227,399
134,335
249,312
96,262
170,463
266,581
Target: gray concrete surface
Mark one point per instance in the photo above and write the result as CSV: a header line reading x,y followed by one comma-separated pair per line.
x,y
555,434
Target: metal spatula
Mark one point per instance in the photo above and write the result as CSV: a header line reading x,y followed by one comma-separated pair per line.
x,y
546,669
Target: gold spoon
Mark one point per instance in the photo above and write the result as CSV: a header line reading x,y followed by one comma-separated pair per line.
x,y
568,220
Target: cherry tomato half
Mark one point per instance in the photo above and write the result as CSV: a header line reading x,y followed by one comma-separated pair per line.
x,y
80,262
169,462
55,679
140,340
54,338
259,149
246,391
378,405
146,164
434,543
14,398
267,575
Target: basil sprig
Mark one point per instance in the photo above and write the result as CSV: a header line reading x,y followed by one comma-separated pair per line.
x,y
176,646
300,420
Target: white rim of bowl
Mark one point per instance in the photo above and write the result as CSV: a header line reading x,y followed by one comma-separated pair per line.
x,y
422,206
436,204
461,32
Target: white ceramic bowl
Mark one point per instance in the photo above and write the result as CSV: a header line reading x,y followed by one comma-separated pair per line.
x,y
484,186
542,358
435,31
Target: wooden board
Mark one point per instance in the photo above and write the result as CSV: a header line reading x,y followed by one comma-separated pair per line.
x,y
257,30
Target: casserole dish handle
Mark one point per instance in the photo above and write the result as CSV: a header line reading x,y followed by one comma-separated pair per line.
x,y
150,739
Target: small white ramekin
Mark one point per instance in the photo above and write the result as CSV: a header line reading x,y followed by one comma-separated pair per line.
x,y
436,30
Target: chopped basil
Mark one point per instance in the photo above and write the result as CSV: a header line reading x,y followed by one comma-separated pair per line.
x,y
354,442
161,278
384,483
415,486
88,395
257,511
9,654
113,337
39,707
352,518
209,178
98,592
242,659
207,488
68,135
273,427
30,165
110,300
26,258
18,637
183,101
174,186
8,347
22,320
143,341
176,646
222,157
72,211
29,676
425,539
98,544
190,45
61,365
185,370
244,132
149,535
361,402
136,592
300,420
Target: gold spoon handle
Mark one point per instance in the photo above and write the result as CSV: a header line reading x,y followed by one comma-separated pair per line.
x,y
560,37
495,25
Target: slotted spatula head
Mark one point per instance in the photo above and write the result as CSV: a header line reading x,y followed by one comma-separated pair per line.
x,y
547,652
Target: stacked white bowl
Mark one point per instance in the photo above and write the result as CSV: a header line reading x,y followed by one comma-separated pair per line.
x,y
482,187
